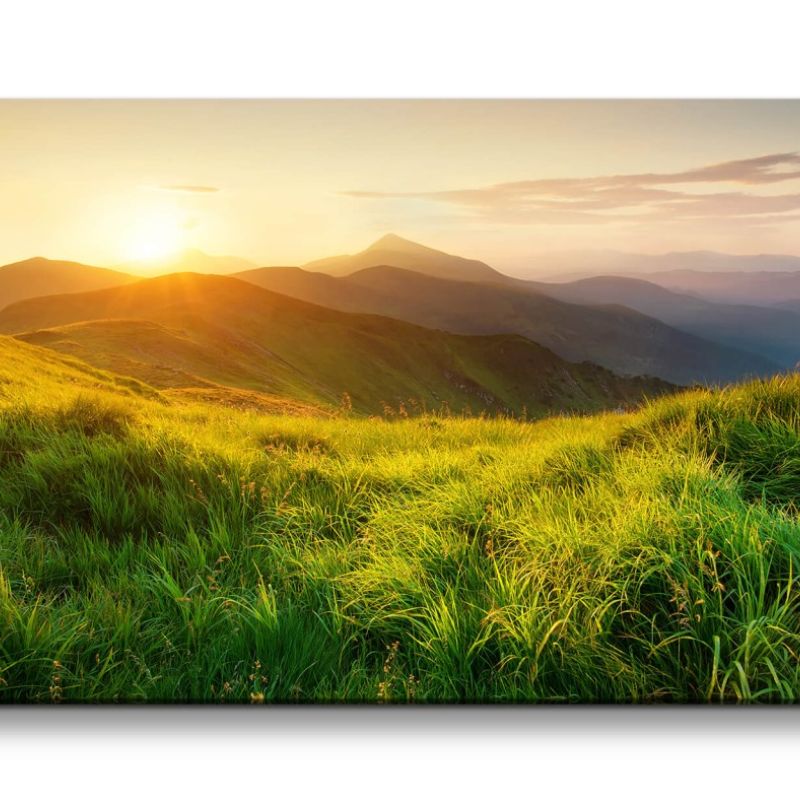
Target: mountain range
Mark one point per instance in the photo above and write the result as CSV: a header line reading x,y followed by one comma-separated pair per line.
x,y
401,320
763,288
569,266
614,336
771,332
188,330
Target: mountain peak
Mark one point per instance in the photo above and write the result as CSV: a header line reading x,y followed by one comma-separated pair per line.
x,y
392,241
40,263
35,261
395,251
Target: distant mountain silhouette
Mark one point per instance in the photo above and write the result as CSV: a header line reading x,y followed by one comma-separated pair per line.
x,y
789,305
770,332
189,330
614,336
38,276
751,288
570,266
316,287
188,261
395,251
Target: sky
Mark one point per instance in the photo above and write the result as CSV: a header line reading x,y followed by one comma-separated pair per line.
x,y
283,182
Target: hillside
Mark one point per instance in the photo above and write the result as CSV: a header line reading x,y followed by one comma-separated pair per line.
x,y
188,330
41,276
618,338
29,372
398,252
182,552
771,332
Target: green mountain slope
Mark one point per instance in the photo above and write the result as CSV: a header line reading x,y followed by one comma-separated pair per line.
x,y
30,372
618,338
192,331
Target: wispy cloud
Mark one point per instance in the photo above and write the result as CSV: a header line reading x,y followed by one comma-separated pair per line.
x,y
638,197
189,188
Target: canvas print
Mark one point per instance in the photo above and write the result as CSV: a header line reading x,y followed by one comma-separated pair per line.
x,y
399,402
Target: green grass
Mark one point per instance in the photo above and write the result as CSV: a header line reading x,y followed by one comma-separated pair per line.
x,y
155,549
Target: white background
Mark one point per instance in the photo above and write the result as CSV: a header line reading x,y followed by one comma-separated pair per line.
x,y
347,48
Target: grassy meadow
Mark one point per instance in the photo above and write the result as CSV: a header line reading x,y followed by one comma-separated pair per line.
x,y
157,547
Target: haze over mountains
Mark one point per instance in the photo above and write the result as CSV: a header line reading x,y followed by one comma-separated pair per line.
x,y
569,266
765,280
753,288
773,332
399,320
190,260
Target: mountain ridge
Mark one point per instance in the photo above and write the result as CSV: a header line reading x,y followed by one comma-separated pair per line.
x,y
395,251
214,330
39,276
574,265
620,339
772,332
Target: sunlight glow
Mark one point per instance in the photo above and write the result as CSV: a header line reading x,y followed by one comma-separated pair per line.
x,y
157,237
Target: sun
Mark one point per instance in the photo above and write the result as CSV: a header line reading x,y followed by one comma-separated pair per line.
x,y
154,238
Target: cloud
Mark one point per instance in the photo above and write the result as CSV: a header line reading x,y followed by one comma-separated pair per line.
x,y
643,198
190,188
